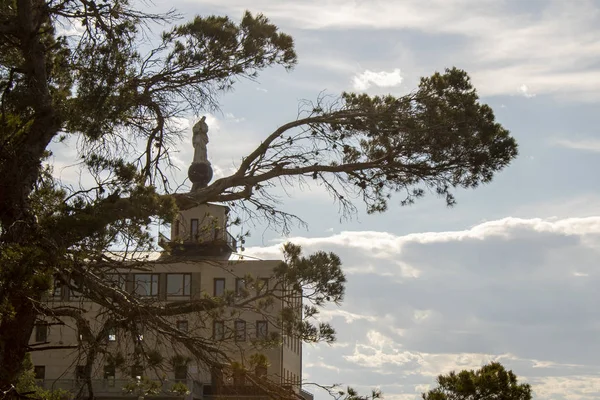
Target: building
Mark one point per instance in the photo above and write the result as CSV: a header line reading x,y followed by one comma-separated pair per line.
x,y
135,361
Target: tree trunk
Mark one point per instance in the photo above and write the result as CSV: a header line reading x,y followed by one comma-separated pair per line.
x,y
15,332
27,254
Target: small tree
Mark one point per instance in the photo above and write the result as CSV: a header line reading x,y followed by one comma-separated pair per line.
x,y
491,381
27,387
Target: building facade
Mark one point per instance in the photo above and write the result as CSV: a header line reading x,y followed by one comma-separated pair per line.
x,y
195,269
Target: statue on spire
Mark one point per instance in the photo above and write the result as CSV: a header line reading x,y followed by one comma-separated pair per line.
x,y
200,172
200,140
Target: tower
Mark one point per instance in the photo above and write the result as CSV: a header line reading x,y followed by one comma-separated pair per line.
x,y
201,230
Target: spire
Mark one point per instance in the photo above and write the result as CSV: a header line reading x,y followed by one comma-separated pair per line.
x,y
200,172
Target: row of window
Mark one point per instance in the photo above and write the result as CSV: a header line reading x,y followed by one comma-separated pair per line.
x,y
42,332
241,288
177,285
144,285
237,378
195,229
262,330
180,372
239,330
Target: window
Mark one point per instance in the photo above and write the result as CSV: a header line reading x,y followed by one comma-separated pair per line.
x,y
182,326
137,370
80,373
109,371
112,334
109,375
179,284
39,371
180,373
57,291
176,228
216,377
74,293
41,333
194,228
262,285
219,286
146,284
240,287
239,378
260,371
240,331
117,281
218,330
261,330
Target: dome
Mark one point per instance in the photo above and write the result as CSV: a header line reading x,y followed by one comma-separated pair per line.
x,y
200,174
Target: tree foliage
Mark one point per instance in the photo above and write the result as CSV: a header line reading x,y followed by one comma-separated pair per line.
x,y
491,381
75,71
27,386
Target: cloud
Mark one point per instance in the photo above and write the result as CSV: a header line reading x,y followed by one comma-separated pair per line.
x,y
230,117
591,145
70,27
551,45
521,291
524,90
329,314
365,80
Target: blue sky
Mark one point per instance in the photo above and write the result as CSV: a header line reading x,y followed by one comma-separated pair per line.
x,y
510,273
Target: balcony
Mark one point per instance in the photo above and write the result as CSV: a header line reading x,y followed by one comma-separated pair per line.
x,y
212,242
113,388
240,392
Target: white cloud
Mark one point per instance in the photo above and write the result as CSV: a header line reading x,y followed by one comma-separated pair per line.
x,y
365,80
70,28
388,245
569,388
591,145
524,90
480,295
551,45
329,314
233,118
422,388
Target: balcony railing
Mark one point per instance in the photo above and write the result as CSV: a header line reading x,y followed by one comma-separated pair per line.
x,y
114,387
306,395
230,240
242,392
214,241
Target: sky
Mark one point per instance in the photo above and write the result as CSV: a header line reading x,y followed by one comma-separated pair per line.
x,y
508,274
